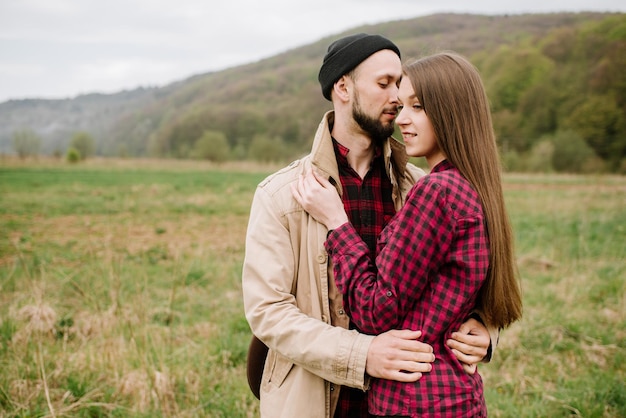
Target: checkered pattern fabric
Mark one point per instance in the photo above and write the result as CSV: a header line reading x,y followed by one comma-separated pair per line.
x,y
431,261
369,206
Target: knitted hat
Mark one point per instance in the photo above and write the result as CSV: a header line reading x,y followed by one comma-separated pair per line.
x,y
345,54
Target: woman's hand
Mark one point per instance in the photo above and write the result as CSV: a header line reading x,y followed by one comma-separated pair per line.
x,y
320,199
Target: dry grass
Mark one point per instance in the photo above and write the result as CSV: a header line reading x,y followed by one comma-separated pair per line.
x,y
137,311
141,164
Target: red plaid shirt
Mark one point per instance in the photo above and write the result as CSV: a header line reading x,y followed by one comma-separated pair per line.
x,y
432,260
369,206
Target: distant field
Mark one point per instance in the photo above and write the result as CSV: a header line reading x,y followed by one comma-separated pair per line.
x,y
120,293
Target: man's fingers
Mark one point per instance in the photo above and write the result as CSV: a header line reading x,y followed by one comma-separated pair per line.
x,y
405,359
406,340
469,339
413,346
403,376
415,366
414,356
407,349
405,334
466,327
397,355
467,359
469,368
461,346
466,345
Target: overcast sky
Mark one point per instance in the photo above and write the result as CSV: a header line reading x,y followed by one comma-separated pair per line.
x,y
63,48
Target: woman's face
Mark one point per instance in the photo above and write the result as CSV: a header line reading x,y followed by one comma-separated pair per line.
x,y
417,131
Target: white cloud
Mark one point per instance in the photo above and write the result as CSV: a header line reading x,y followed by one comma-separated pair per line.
x,y
9,70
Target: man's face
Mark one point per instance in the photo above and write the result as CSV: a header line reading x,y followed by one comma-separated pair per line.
x,y
375,94
373,126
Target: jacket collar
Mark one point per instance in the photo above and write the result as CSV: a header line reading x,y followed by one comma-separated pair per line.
x,y
323,153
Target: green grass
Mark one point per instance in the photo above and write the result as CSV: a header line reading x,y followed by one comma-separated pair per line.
x,y
120,293
568,354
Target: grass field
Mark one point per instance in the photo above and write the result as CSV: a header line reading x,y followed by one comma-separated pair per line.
x,y
120,293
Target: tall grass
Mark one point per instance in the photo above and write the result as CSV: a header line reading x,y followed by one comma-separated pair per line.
x,y
120,293
567,357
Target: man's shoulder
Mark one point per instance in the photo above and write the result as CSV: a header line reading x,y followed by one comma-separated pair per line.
x,y
414,171
283,177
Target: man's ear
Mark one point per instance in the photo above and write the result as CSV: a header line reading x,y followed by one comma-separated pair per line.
x,y
342,88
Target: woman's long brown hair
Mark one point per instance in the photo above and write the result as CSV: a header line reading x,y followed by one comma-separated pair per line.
x,y
451,91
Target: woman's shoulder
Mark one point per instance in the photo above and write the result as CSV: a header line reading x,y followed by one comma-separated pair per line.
x,y
450,188
447,178
441,179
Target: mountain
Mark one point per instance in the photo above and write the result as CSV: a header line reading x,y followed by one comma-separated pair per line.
x,y
56,120
279,98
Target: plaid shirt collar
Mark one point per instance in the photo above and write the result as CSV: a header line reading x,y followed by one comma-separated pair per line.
x,y
342,152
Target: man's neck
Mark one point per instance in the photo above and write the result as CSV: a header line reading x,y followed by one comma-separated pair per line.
x,y
360,157
361,146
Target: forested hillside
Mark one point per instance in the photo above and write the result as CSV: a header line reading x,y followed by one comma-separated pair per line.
x,y
556,82
55,121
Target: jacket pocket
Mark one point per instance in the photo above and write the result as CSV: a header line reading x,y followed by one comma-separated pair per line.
x,y
280,368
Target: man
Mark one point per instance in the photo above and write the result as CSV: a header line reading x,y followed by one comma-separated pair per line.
x,y
316,365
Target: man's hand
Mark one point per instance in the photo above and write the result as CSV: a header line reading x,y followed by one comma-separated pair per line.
x,y
397,355
470,344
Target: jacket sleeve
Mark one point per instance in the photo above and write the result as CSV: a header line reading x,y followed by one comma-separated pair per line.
x,y
269,280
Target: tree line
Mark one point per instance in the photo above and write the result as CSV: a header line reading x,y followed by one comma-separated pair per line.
x,y
27,144
563,97
556,84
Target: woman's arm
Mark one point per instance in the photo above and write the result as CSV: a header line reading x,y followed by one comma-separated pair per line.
x,y
471,343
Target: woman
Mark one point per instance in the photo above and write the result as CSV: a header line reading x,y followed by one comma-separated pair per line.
x,y
447,252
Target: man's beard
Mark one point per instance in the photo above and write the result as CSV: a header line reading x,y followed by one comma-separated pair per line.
x,y
373,127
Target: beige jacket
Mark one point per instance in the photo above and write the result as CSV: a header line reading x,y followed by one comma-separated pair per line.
x,y
290,298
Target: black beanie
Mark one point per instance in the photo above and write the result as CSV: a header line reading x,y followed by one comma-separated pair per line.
x,y
345,54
